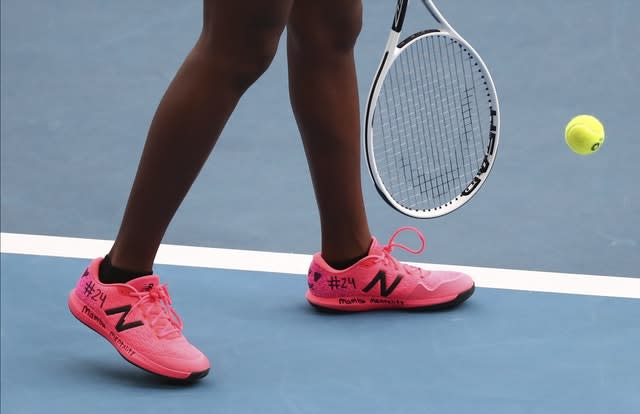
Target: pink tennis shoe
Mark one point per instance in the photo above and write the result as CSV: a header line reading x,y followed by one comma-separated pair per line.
x,y
138,320
380,281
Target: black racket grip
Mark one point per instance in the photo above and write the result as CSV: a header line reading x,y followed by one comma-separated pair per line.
x,y
398,17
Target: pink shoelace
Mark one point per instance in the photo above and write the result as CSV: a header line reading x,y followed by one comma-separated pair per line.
x,y
388,259
155,305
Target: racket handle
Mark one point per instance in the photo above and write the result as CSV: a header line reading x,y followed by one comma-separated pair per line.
x,y
398,17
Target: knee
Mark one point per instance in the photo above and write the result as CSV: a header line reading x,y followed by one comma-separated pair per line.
x,y
251,60
244,55
330,30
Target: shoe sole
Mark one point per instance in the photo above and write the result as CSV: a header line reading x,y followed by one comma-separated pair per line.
x,y
333,305
140,361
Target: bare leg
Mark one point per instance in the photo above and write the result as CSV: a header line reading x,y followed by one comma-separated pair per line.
x,y
324,97
237,44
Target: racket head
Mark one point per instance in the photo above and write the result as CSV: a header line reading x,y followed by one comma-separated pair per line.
x,y
432,124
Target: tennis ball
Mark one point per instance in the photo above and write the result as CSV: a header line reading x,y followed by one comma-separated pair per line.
x,y
584,134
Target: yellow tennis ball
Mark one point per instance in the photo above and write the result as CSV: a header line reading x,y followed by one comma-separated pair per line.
x,y
584,134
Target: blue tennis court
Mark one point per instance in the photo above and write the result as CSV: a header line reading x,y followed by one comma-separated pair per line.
x,y
552,239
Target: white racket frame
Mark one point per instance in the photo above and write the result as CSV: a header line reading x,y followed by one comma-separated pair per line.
x,y
391,53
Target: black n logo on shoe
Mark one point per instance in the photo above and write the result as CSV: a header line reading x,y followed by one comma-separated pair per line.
x,y
124,310
382,278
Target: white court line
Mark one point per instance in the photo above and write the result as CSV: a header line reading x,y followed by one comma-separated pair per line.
x,y
289,263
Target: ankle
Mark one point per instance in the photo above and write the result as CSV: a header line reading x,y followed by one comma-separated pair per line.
x,y
108,273
342,258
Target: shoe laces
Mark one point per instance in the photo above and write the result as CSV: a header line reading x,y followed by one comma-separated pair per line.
x,y
155,306
388,259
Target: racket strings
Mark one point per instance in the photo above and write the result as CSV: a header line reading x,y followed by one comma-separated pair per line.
x,y
431,123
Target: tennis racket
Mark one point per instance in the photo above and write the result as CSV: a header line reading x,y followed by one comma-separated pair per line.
x,y
432,120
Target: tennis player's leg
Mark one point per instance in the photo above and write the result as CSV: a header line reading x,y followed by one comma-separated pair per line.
x,y
237,44
122,301
324,95
353,272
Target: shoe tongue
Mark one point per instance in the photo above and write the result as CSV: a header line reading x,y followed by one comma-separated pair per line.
x,y
376,248
144,283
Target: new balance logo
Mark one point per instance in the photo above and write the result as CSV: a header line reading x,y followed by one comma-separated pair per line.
x,y
382,278
124,310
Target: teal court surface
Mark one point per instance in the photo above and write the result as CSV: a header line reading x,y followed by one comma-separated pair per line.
x,y
552,239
